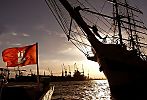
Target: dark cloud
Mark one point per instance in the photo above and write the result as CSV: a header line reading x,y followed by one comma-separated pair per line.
x,y
23,22
2,29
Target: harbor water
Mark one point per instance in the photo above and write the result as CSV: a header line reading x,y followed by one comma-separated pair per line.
x,y
81,90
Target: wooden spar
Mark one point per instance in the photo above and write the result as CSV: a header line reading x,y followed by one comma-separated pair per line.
x,y
74,13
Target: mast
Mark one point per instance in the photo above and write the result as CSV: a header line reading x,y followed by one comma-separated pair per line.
x,y
118,17
130,23
134,43
82,70
62,71
69,71
130,28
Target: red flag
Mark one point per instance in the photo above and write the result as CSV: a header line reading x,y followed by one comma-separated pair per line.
x,y
29,56
20,56
10,56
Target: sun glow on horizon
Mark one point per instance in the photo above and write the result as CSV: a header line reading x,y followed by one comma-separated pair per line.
x,y
93,69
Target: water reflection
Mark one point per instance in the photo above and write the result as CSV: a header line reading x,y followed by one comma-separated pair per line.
x,y
82,90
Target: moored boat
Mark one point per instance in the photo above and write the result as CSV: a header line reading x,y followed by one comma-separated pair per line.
x,y
25,89
33,87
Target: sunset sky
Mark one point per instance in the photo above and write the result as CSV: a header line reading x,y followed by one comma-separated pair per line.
x,y
25,22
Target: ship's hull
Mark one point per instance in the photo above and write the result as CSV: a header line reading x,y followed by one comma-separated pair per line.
x,y
126,72
126,83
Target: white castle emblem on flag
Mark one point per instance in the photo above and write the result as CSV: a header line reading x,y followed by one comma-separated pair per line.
x,y
21,57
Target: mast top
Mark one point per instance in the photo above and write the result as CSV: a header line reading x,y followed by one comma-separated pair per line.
x,y
121,27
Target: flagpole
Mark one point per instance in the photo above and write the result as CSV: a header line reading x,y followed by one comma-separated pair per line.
x,y
38,79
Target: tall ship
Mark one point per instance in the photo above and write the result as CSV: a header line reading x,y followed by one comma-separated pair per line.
x,y
115,38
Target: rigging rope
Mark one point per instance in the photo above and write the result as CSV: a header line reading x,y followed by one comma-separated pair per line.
x,y
63,22
75,34
49,6
100,12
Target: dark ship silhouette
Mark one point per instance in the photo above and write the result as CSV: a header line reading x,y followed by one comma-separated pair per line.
x,y
77,76
30,87
24,87
122,59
